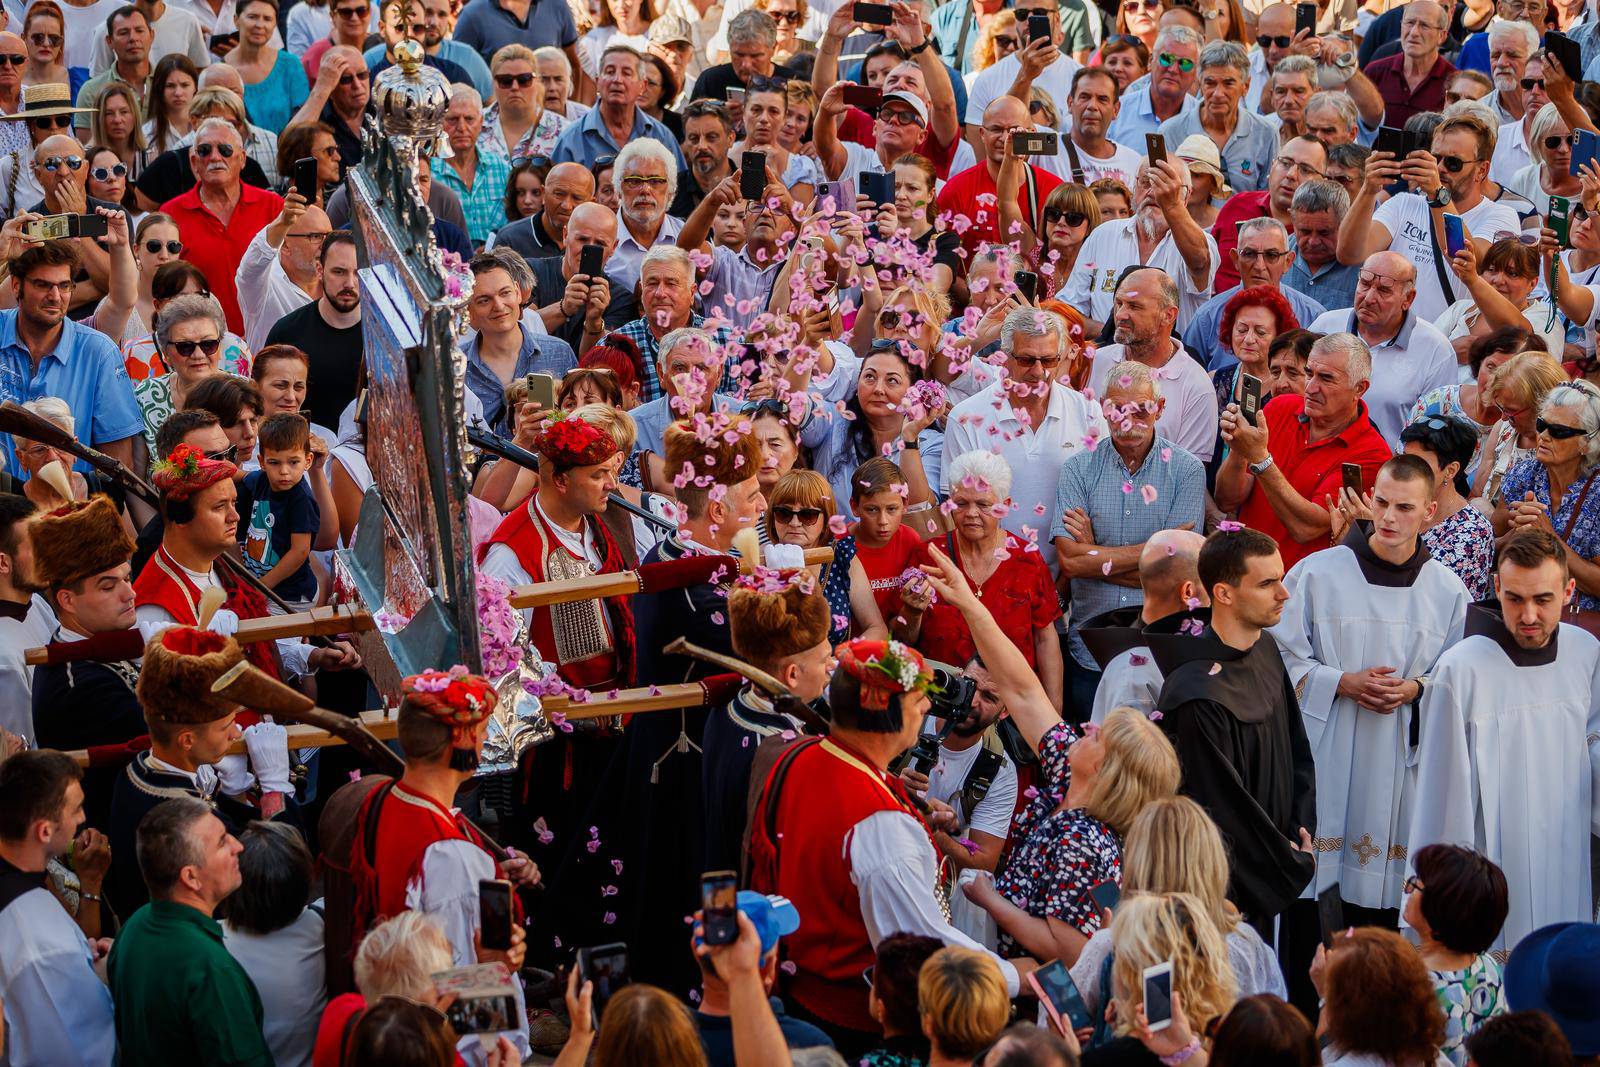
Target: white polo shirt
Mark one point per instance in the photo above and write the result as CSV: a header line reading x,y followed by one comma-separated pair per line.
x,y
995,82
1406,366
1511,153
1189,416
986,422
1112,248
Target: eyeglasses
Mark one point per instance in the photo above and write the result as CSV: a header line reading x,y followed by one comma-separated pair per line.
x,y
1529,83
186,348
1557,431
205,148
1555,141
1453,164
227,455
51,122
350,79
105,174
55,163
1413,884
637,181
1167,59
1305,170
153,247
506,81
315,236
1279,41
50,40
1373,280
1071,218
806,516
352,12
1250,255
14,60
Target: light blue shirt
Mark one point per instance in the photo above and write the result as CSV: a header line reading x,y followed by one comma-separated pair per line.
x,y
651,421
1245,158
1201,336
1137,117
1095,481
540,354
84,369
588,139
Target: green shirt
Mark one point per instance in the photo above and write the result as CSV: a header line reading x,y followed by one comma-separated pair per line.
x,y
180,997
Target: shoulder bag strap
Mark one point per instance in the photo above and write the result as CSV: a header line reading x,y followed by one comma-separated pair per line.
x,y
1077,164
967,21
1445,284
1577,508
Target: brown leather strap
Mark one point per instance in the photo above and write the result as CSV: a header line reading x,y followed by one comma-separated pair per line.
x,y
1577,509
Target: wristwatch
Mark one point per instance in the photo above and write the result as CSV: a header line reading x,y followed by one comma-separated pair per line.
x,y
927,42
1441,198
1258,469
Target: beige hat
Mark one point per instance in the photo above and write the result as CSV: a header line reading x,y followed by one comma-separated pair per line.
x,y
670,29
50,98
1203,157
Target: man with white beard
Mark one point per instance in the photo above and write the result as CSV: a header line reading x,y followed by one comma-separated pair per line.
x,y
1510,45
645,178
1161,234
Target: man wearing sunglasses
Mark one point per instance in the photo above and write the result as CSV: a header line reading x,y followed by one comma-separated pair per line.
x,y
45,112
1248,143
221,215
1173,74
1451,178
61,167
341,98
430,26
1049,63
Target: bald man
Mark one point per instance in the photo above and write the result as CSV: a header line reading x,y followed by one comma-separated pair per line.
x,y
1169,576
544,233
575,307
1102,532
65,193
972,192
279,270
1410,355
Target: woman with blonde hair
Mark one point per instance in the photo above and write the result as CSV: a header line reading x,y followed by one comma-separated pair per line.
x,y
962,996
1174,847
1518,390
117,124
1001,34
799,512
1154,928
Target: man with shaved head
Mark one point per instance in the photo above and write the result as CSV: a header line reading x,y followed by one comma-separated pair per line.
x,y
1410,355
544,233
279,270
1101,538
1169,578
971,193
575,307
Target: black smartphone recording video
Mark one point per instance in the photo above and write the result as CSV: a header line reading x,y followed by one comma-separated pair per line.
x,y
494,914
719,907
753,176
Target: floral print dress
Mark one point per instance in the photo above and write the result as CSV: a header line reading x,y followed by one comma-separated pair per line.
x,y
1465,543
1468,998
1063,854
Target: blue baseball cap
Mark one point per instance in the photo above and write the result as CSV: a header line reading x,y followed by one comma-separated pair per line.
x,y
772,916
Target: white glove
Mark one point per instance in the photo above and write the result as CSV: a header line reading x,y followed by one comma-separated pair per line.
x,y
233,775
224,622
785,557
268,745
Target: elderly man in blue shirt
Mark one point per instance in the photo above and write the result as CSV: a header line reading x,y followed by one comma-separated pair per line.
x,y
616,118
1248,142
1109,502
44,353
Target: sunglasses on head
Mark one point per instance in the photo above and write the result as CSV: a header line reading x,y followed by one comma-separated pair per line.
x,y
787,514
205,148
1071,218
1558,431
51,122
186,348
1167,59
506,81
154,247
105,174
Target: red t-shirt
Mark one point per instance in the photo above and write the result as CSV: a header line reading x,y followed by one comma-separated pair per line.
x,y
972,193
857,126
885,567
1312,469
1020,594
1240,208
332,1031
217,249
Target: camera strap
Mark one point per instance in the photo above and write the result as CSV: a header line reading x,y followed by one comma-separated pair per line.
x,y
1447,288
981,775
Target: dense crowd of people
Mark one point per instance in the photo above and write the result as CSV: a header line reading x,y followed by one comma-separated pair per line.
x,y
1141,454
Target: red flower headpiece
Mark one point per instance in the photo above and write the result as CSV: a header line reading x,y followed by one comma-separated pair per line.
x,y
188,471
574,443
884,668
454,697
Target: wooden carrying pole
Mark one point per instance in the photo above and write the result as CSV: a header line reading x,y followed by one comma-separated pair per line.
x,y
340,619
598,586
380,724
628,701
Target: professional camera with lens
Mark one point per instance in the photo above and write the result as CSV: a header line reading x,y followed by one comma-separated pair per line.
x,y
951,694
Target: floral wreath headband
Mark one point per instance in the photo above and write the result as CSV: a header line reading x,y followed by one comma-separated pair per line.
x,y
884,669
458,699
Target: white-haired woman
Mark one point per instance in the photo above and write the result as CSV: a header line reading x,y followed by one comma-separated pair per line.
x,y
1550,142
1012,581
397,958
36,455
1556,490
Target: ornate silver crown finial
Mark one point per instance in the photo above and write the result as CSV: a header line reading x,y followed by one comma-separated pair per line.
x,y
411,98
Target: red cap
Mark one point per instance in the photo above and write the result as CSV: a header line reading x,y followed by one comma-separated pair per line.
x,y
188,471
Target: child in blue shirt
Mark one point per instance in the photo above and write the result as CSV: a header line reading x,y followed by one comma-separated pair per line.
x,y
284,516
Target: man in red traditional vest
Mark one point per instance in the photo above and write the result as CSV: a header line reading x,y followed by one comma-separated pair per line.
x,y
199,524
425,856
835,832
558,534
